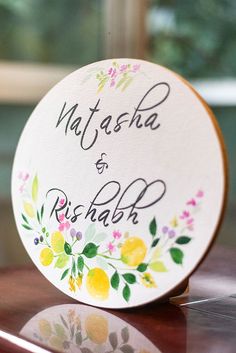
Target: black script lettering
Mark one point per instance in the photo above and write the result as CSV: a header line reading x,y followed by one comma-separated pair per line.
x,y
97,201
154,89
70,112
105,124
142,188
65,206
93,110
119,121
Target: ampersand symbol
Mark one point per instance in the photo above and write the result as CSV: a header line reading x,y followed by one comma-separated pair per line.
x,y
101,165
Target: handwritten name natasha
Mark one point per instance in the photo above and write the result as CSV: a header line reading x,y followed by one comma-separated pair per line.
x,y
143,116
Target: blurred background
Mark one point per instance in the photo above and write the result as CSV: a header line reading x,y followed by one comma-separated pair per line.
x,y
41,41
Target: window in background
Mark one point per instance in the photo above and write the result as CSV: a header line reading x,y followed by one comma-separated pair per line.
x,y
197,40
40,42
62,32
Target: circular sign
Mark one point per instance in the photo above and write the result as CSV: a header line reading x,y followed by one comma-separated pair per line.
x,y
118,183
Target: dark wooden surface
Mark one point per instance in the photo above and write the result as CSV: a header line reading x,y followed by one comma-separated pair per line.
x,y
181,326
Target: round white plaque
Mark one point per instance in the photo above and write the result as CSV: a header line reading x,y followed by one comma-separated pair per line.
x,y
118,183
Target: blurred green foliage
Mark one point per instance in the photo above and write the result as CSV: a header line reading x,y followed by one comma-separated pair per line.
x,y
195,38
65,31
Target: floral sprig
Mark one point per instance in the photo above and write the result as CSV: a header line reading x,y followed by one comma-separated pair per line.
x,y
118,76
122,261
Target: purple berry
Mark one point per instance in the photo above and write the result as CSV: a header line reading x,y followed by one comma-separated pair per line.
x,y
73,232
165,230
78,235
36,241
171,234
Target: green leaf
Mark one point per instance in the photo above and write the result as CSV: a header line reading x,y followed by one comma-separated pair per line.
x,y
153,227
73,267
63,320
158,266
35,188
129,277
67,248
113,340
177,255
183,240
121,81
126,348
142,267
126,292
62,261
38,218
24,218
99,238
59,330
26,227
80,263
65,273
127,83
155,242
90,250
125,334
89,233
42,211
115,280
78,338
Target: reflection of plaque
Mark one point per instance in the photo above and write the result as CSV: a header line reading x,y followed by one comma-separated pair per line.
x,y
119,183
74,327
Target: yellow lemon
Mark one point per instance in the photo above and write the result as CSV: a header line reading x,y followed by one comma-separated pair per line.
x,y
97,283
46,257
133,251
57,242
96,327
45,328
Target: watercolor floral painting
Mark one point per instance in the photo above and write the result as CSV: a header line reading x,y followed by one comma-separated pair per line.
x,y
117,76
122,259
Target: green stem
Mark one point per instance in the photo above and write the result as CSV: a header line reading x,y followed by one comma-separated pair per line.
x,y
109,257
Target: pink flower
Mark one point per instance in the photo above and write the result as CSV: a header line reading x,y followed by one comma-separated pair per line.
x,y
112,72
200,194
111,247
112,83
61,217
190,221
136,67
26,177
192,203
62,201
123,68
190,227
116,234
67,225
185,214
63,226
